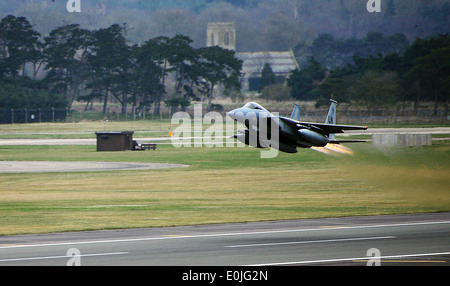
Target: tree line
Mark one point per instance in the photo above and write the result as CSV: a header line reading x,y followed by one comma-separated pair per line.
x,y
334,53
420,73
262,25
97,65
88,65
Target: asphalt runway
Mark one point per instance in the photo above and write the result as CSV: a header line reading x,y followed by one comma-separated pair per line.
x,y
413,239
164,140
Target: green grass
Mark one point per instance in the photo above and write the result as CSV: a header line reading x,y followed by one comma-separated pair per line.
x,y
222,185
83,130
142,128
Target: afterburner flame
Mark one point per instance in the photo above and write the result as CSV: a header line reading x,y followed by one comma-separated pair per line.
x,y
330,148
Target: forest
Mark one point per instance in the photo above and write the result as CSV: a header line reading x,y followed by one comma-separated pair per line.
x,y
86,65
51,58
381,80
262,25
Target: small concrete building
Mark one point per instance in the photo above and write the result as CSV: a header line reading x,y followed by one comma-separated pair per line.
x,y
405,140
115,141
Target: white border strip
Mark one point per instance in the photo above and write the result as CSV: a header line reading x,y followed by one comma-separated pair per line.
x,y
310,241
61,256
349,259
181,236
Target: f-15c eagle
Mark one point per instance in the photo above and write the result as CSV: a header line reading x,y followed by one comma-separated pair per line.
x,y
291,132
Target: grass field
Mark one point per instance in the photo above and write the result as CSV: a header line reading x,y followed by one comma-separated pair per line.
x,y
221,185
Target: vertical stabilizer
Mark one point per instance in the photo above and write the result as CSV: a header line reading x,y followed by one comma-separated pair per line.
x,y
296,113
331,117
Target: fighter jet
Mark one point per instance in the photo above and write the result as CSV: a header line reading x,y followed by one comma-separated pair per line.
x,y
289,133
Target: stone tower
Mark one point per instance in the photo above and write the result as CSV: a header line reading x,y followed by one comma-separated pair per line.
x,y
222,34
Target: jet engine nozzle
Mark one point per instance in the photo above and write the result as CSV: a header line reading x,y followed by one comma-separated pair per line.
x,y
313,137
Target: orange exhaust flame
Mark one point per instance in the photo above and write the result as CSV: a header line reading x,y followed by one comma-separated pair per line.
x,y
330,148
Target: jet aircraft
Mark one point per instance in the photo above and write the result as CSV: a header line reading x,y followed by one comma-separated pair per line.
x,y
292,133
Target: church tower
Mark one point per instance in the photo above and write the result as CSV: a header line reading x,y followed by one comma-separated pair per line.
x,y
222,34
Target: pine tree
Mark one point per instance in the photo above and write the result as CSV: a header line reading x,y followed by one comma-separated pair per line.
x,y
267,77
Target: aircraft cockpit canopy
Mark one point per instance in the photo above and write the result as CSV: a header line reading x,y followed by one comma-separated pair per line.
x,y
254,105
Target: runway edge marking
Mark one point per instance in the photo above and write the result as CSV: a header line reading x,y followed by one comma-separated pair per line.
x,y
60,256
218,235
310,241
347,259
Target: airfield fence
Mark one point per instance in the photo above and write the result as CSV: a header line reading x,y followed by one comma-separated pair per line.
x,y
32,115
363,117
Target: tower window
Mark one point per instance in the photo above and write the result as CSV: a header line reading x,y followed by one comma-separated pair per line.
x,y
212,40
226,39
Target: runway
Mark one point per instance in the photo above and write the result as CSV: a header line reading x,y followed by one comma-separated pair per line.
x,y
167,140
413,239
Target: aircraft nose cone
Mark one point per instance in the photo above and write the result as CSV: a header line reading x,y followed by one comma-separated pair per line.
x,y
231,114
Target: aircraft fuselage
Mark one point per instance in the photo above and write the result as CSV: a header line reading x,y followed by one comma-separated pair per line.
x,y
290,133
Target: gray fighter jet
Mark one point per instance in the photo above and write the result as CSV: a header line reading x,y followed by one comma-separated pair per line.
x,y
286,134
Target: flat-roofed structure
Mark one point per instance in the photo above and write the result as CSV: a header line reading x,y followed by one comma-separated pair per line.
x,y
282,64
223,34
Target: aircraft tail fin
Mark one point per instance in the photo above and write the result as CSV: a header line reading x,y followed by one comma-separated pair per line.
x,y
331,117
296,113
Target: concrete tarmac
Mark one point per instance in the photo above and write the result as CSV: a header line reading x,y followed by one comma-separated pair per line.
x,y
9,167
412,239
93,141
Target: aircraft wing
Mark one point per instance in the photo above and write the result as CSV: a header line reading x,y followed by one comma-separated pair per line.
x,y
332,128
321,128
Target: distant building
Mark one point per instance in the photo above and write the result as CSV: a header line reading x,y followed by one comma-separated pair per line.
x,y
223,34
282,64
